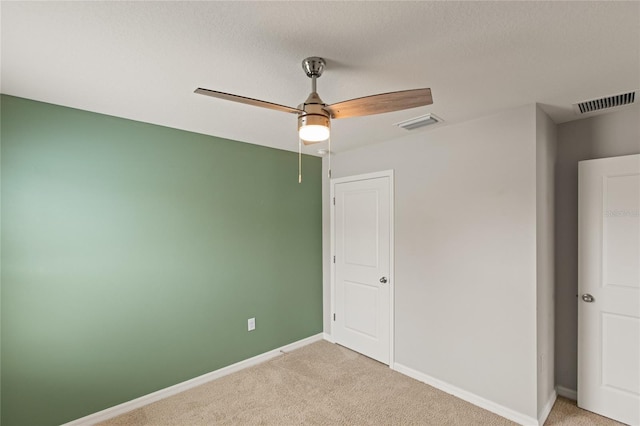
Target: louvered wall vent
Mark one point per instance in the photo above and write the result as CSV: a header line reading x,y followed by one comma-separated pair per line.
x,y
605,103
417,122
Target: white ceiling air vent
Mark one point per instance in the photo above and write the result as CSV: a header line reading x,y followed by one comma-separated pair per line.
x,y
417,122
605,103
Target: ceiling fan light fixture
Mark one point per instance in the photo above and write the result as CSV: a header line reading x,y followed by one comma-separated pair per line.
x,y
314,133
314,128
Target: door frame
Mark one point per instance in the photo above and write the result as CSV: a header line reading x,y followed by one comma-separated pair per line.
x,y
375,175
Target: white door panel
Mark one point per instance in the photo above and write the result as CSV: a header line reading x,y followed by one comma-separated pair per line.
x,y
359,210
609,271
362,247
621,248
363,320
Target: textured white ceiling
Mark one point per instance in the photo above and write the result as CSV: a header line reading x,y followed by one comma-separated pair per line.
x,y
142,60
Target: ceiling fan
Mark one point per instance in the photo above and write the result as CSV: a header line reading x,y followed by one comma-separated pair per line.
x,y
314,116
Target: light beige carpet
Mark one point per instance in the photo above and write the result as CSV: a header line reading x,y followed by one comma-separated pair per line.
x,y
326,384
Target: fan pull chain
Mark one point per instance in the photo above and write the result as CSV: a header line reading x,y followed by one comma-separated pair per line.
x,y
299,160
329,173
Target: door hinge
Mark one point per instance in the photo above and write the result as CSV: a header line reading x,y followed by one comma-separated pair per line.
x,y
334,201
334,259
334,317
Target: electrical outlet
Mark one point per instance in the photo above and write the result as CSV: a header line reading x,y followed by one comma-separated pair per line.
x,y
251,324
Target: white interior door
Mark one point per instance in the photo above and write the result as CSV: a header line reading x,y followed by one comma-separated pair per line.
x,y
362,266
609,288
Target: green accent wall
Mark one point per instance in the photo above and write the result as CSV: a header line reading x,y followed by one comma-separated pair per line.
x,y
132,256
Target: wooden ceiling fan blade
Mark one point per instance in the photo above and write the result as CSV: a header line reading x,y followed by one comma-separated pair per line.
x,y
378,104
310,142
247,101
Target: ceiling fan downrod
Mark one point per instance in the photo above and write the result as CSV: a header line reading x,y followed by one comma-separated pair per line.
x,y
313,67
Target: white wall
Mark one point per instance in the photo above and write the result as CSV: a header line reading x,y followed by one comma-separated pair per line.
x,y
546,150
465,232
608,135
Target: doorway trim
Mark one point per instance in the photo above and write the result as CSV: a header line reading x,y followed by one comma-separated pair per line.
x,y
392,282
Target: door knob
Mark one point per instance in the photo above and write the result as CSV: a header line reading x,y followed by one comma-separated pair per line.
x,y
383,280
588,298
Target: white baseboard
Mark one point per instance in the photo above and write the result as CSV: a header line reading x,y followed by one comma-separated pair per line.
x,y
328,337
546,410
474,399
571,394
125,407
